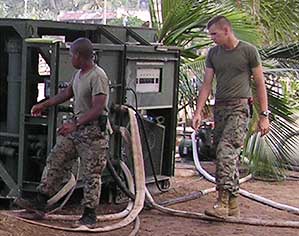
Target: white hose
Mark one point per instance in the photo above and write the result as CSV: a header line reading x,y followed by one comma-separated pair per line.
x,y
249,195
102,218
107,217
136,227
64,190
269,202
70,193
235,220
203,171
141,190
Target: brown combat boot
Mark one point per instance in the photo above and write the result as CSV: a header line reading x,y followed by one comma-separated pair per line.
x,y
220,209
233,209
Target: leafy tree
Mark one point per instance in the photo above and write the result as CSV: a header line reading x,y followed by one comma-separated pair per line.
x,y
14,8
36,9
3,9
49,9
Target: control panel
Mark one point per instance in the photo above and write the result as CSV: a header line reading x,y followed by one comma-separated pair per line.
x,y
148,80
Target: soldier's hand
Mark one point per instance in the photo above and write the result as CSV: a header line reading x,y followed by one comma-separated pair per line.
x,y
264,125
196,120
37,109
67,128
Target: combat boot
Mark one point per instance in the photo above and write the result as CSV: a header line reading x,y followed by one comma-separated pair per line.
x,y
220,209
233,209
38,203
88,219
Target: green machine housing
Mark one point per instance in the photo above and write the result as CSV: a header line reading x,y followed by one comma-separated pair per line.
x,y
35,64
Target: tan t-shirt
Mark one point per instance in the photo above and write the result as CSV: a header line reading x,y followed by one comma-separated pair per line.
x,y
94,82
233,69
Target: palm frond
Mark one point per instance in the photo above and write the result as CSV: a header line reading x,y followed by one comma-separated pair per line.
x,y
278,51
276,19
189,18
154,14
277,150
262,159
280,25
190,82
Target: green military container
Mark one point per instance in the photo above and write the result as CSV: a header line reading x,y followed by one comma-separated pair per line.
x,y
35,64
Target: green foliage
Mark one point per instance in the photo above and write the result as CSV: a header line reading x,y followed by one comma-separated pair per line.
x,y
118,21
268,157
259,22
282,68
276,19
182,23
49,9
189,83
260,156
36,9
279,149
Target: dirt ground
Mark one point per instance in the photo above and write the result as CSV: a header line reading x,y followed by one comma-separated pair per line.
x,y
186,181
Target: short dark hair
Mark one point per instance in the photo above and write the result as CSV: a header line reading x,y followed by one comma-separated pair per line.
x,y
83,46
219,20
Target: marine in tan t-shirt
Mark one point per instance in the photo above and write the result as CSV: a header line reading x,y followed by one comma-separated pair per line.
x,y
84,137
93,83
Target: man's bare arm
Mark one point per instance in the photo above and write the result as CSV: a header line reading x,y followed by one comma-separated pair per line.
x,y
205,91
61,97
263,125
260,87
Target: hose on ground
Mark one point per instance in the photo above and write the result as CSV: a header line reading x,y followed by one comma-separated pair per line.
x,y
234,220
107,217
247,194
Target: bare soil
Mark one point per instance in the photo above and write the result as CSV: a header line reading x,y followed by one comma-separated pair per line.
x,y
185,182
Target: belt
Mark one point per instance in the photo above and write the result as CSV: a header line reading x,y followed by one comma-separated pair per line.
x,y
101,122
231,102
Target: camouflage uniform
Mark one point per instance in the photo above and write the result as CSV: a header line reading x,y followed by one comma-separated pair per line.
x,y
229,133
89,141
91,145
233,69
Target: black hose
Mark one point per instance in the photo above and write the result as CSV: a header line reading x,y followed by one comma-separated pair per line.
x,y
121,184
118,180
115,108
186,198
135,96
148,149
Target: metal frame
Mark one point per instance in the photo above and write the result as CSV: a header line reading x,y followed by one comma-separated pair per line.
x,y
26,119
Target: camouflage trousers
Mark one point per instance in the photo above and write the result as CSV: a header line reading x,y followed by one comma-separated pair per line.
x,y
91,145
230,130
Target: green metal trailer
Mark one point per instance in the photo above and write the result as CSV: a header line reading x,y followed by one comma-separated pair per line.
x,y
35,64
